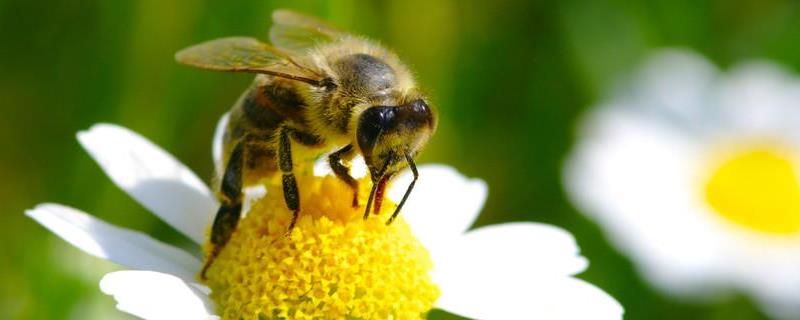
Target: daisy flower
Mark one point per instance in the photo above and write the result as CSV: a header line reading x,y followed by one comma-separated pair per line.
x,y
335,264
693,172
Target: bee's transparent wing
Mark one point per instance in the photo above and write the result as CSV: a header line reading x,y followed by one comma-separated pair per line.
x,y
297,32
243,54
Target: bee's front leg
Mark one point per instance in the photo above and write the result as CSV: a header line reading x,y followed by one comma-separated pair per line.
x,y
230,208
290,193
342,171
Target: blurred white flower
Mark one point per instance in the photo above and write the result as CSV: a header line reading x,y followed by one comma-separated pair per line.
x,y
694,173
506,271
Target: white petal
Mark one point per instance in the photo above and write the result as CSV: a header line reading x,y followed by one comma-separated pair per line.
x,y
217,143
528,298
153,177
517,271
251,195
516,248
154,296
760,99
443,204
673,85
126,247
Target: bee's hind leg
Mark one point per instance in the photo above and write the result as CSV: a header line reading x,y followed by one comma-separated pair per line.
x,y
342,171
231,206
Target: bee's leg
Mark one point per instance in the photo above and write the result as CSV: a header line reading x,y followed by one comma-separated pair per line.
x,y
230,208
342,171
290,193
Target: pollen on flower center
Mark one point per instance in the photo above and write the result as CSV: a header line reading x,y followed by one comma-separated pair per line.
x,y
757,189
335,265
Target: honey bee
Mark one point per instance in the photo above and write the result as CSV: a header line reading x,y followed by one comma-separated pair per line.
x,y
323,89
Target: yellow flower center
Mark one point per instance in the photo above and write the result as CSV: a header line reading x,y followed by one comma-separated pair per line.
x,y
757,188
335,265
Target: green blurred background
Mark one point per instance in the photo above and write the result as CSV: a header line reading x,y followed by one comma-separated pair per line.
x,y
509,77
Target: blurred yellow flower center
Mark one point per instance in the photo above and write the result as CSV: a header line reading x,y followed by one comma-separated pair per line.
x,y
757,189
335,265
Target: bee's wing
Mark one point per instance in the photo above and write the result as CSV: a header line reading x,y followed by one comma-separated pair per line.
x,y
243,54
296,32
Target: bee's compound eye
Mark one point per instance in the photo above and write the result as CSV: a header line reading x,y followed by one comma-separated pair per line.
x,y
374,121
416,114
419,106
384,116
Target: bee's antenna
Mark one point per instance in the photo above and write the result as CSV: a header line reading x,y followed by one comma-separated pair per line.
x,y
408,191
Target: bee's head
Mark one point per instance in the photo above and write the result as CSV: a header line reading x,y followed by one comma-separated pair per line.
x,y
391,120
386,135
